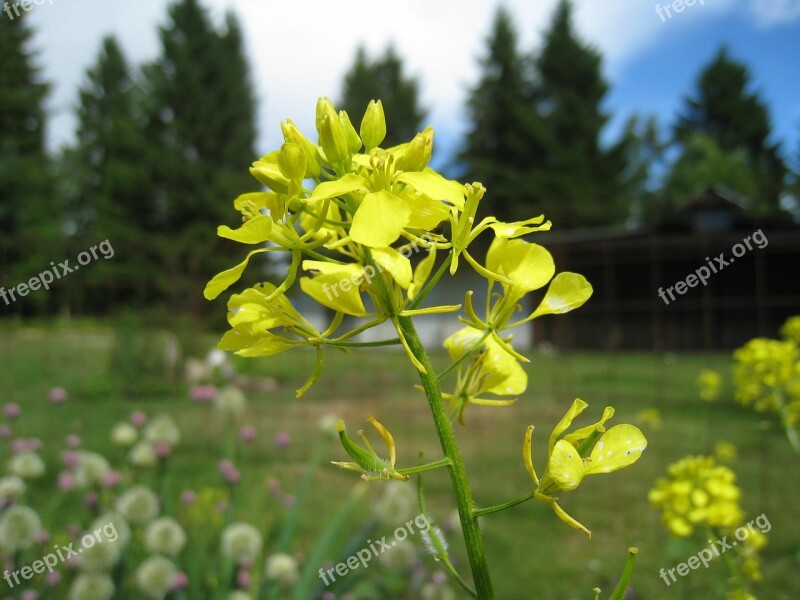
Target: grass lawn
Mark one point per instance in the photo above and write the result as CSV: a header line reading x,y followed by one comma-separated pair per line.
x,y
532,554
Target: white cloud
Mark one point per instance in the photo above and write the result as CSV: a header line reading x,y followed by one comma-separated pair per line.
x,y
769,13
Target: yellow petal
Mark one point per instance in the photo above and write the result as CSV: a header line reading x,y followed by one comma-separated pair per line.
x,y
512,230
528,266
577,408
222,281
565,466
426,214
250,308
436,187
335,286
248,344
261,200
562,514
394,263
503,375
253,231
333,189
267,171
379,219
567,292
461,342
620,446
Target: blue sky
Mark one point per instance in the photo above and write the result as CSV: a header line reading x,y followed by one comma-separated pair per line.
x,y
650,64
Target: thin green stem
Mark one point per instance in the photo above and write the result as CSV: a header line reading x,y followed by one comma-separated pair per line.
x,y
445,462
481,512
432,282
391,342
464,356
458,472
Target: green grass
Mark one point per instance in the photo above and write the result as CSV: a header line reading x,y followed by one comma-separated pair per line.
x,y
531,553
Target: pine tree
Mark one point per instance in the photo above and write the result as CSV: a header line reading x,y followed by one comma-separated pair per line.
x,y
582,182
202,113
25,217
726,110
504,145
383,79
109,194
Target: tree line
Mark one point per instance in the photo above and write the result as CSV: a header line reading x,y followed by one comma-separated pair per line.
x,y
162,148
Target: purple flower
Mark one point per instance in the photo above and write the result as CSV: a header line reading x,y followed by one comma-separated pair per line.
x,y
111,479
180,582
73,441
229,471
188,497
70,458
29,595
42,536
138,418
203,393
12,411
243,579
57,395
53,579
247,433
162,449
283,439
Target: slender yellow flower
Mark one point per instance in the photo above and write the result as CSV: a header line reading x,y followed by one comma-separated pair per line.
x,y
367,462
586,451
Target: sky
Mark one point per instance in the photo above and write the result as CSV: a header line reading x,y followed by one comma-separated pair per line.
x,y
300,49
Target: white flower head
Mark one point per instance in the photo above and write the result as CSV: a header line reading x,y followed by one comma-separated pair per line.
x,y
139,505
281,568
99,558
116,522
18,528
11,488
398,502
27,465
91,586
155,577
230,401
124,434
162,430
164,536
241,542
143,455
91,469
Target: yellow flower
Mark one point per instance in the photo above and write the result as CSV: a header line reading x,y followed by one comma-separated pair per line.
x,y
586,451
490,370
710,383
725,452
697,491
790,330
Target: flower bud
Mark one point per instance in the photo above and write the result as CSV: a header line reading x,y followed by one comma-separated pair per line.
x,y
292,135
333,139
373,125
353,141
417,152
292,162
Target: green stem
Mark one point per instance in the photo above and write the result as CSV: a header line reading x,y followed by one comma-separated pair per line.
x,y
432,281
390,342
480,512
791,433
445,462
458,472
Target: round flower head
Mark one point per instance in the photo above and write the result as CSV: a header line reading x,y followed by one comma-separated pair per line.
x,y
697,491
124,434
27,465
155,577
398,502
239,595
18,528
11,488
241,542
91,470
143,455
281,568
91,586
139,505
100,557
230,401
164,536
57,395
12,411
162,429
114,527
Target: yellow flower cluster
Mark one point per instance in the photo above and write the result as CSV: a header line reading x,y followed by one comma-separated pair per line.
x,y
350,214
767,376
697,491
710,384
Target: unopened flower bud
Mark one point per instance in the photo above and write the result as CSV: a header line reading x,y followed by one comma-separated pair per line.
x,y
417,154
292,135
333,139
353,141
373,125
292,161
